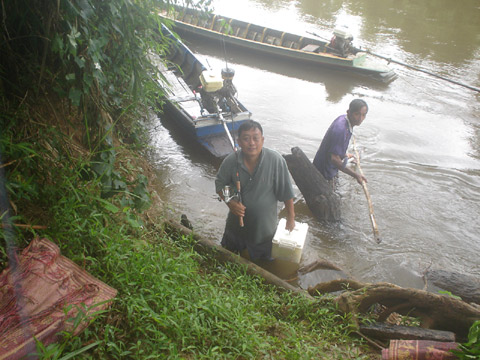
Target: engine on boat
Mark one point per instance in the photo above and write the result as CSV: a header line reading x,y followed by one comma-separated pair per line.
x,y
215,96
341,43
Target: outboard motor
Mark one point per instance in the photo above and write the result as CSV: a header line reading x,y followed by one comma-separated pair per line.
x,y
342,42
228,92
228,87
218,91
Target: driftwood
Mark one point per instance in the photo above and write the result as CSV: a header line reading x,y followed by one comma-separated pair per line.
x,y
335,285
318,193
435,311
325,271
388,332
464,286
318,264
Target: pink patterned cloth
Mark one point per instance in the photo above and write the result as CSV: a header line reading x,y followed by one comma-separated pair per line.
x,y
419,350
42,295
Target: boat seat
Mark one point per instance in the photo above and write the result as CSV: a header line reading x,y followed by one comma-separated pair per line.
x,y
311,48
180,99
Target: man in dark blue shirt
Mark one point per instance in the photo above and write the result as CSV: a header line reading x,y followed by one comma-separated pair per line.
x,y
332,154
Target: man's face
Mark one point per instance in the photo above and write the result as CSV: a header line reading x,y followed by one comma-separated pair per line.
x,y
357,117
251,142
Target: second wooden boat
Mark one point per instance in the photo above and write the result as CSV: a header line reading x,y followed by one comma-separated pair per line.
x,y
337,53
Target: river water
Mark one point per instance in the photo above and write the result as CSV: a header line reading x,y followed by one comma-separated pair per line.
x,y
419,144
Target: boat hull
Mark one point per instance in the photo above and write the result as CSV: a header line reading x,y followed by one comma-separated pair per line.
x,y
184,102
211,138
274,43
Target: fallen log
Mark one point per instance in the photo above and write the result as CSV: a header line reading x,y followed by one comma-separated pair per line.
x,y
435,311
318,193
388,332
464,286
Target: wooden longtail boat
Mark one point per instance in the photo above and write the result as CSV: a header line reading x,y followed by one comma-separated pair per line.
x,y
337,53
200,102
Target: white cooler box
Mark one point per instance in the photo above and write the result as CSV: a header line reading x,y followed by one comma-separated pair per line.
x,y
289,245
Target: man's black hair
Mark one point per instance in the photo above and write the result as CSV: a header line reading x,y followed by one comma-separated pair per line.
x,y
357,105
248,125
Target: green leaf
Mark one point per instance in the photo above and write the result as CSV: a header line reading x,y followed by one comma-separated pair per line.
x,y
70,76
134,221
119,185
57,45
75,96
108,206
80,61
79,351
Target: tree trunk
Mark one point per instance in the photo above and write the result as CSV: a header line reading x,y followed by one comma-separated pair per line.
x,y
467,287
388,332
318,193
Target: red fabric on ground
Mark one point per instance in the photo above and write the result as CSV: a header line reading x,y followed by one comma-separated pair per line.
x,y
33,298
419,350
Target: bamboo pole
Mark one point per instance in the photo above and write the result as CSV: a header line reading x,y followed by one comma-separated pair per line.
x,y
376,234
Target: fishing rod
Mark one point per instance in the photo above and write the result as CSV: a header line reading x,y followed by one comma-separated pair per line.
x,y
376,234
226,192
232,142
238,187
416,68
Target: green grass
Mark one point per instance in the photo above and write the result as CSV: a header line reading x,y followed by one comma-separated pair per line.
x,y
174,303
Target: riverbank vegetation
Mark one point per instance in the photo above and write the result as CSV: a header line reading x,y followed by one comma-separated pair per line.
x,y
76,85
172,302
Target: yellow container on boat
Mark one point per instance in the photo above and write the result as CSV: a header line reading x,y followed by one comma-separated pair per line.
x,y
211,81
288,245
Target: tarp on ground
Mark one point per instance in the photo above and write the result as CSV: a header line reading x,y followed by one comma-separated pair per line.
x,y
41,295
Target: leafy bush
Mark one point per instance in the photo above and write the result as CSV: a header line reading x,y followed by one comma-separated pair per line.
x,y
470,349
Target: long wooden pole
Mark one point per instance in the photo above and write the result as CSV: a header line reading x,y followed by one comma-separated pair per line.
x,y
416,68
367,194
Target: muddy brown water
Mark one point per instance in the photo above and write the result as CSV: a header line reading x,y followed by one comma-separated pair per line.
x,y
419,144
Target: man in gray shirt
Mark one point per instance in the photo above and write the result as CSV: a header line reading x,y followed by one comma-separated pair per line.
x,y
265,180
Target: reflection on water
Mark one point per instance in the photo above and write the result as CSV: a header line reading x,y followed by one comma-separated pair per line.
x,y
419,144
434,29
